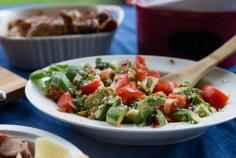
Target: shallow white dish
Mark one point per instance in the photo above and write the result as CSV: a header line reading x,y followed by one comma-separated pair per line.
x,y
130,134
38,52
32,133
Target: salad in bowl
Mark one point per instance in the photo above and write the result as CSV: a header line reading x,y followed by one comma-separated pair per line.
x,y
126,93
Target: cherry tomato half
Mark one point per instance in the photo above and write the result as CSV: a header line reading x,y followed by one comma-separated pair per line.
x,y
181,99
119,81
65,103
90,87
166,87
215,97
154,74
129,93
140,63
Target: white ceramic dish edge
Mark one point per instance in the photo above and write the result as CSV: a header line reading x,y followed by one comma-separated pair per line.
x,y
32,133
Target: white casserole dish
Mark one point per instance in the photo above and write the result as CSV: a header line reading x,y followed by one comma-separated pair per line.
x,y
38,52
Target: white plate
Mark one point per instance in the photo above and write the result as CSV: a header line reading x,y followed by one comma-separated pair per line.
x,y
130,134
32,133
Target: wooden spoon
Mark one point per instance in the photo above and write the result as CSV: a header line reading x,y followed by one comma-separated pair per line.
x,y
196,71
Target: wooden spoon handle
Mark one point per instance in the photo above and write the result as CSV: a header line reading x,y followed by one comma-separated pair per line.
x,y
221,53
195,72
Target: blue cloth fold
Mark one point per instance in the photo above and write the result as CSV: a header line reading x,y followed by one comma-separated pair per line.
x,y
218,142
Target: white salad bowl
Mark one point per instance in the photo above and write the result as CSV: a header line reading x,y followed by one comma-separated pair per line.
x,y
32,133
131,134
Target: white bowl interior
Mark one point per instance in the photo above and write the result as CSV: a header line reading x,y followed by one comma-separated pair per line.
x,y
218,77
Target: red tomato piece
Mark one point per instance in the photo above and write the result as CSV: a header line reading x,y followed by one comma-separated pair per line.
x,y
181,99
132,85
141,68
65,103
140,63
169,106
141,74
119,81
215,97
54,93
90,87
129,93
154,74
166,87
106,74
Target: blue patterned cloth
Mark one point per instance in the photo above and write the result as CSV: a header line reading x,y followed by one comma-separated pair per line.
x,y
218,142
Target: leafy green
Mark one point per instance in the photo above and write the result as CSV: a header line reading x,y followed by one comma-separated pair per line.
x,y
42,83
71,72
60,80
39,74
57,68
103,65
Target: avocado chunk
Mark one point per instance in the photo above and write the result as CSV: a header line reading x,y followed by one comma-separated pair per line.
x,y
202,110
100,114
184,115
182,90
83,113
97,97
148,84
187,90
161,118
201,107
115,115
132,116
146,106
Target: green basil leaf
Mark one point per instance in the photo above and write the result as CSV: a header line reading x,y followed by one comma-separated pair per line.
x,y
71,72
60,80
36,75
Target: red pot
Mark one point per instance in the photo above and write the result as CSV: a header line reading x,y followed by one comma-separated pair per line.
x,y
186,33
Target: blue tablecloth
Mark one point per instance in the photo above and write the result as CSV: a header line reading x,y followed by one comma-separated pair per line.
x,y
218,142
